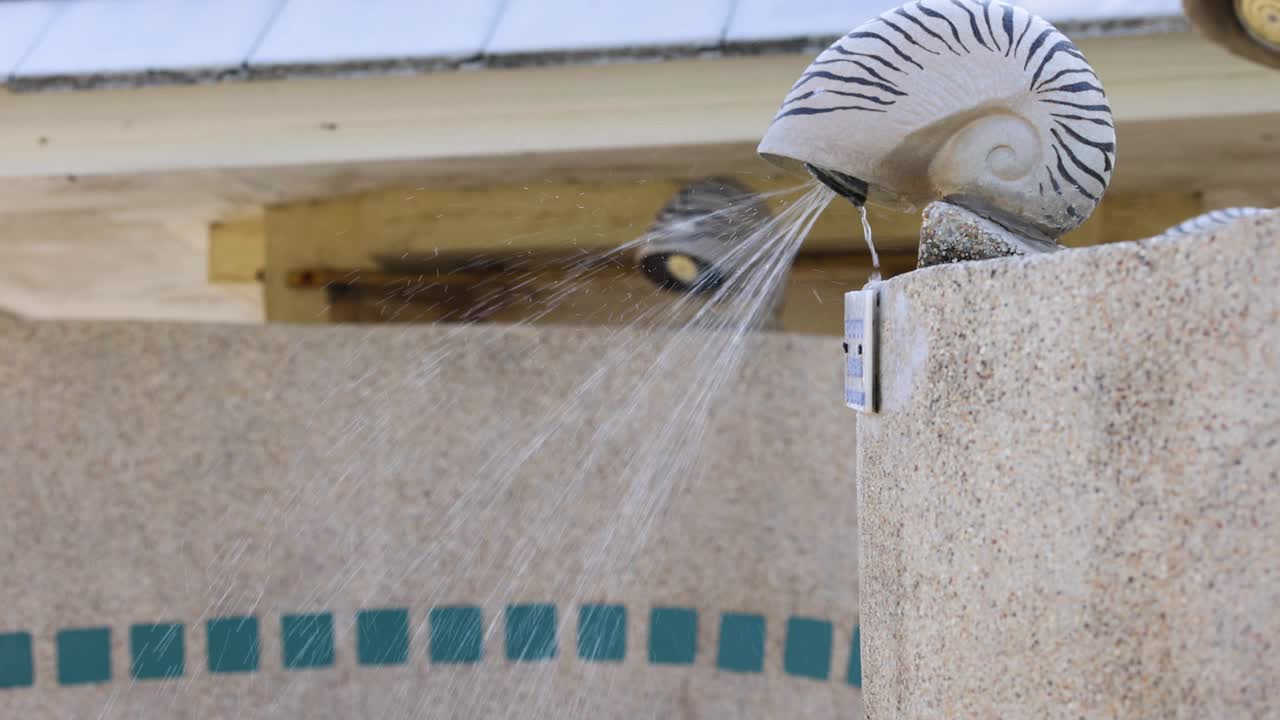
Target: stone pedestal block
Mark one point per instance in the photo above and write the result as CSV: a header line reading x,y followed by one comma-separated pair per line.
x,y
1070,502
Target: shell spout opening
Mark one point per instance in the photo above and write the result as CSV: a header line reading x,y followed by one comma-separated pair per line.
x,y
846,186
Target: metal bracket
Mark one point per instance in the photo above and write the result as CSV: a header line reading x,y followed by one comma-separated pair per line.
x,y
861,337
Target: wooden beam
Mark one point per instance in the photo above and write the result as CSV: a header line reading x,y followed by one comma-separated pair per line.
x,y
361,232
310,235
1212,154
1134,216
237,250
515,113
1264,196
1140,216
353,232
541,216
608,293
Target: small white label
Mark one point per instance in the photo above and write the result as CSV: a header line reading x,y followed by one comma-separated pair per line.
x,y
860,313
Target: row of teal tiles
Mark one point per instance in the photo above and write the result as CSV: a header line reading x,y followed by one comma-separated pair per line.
x,y
456,636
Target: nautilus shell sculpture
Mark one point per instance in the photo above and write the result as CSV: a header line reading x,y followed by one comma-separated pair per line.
x,y
1212,221
691,245
981,104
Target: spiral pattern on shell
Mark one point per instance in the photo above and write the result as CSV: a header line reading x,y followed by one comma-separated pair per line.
x,y
977,102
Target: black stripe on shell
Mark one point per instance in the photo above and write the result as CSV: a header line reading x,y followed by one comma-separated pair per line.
x,y
1081,118
1053,180
1062,170
973,23
1006,20
1064,73
864,35
850,53
1063,45
822,111
986,18
907,36
1095,108
1107,149
865,68
918,23
841,93
1030,20
848,79
1078,87
1035,46
1075,159
1104,147
955,32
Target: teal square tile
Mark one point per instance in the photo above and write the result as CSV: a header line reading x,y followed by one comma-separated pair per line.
x,y
456,634
854,677
157,651
673,636
84,656
531,632
17,668
602,632
382,637
307,641
808,648
234,644
741,643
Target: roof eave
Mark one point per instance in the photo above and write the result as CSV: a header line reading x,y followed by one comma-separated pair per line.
x,y
1115,27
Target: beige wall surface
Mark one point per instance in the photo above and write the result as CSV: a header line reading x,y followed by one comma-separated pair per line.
x,y
179,474
1070,502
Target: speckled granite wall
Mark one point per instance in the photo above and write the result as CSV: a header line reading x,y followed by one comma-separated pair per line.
x,y
1070,506
274,522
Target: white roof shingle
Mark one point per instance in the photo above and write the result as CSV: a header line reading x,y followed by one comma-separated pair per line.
x,y
545,26
46,42
107,37
1099,10
337,31
22,24
764,20
773,20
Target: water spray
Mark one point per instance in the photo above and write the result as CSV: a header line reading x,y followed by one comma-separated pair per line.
x,y
691,246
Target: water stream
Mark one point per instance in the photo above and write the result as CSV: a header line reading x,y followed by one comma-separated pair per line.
x,y
625,444
871,245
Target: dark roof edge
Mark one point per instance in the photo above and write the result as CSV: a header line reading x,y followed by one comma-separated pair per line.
x,y
416,66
